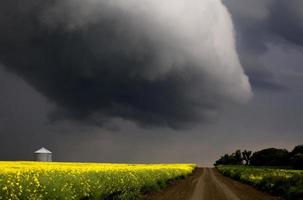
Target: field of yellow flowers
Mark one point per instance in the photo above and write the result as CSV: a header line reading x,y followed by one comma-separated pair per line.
x,y
38,180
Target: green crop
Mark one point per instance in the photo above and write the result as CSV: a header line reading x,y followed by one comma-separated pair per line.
x,y
282,182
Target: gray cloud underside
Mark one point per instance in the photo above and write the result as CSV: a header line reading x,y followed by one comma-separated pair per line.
x,y
260,124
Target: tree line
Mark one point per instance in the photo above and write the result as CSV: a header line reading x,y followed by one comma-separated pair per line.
x,y
265,157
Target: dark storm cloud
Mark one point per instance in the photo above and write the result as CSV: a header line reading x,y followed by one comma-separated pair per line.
x,y
286,20
260,23
48,42
262,79
266,121
98,60
260,75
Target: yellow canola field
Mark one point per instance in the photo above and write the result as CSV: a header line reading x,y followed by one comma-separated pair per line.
x,y
39,180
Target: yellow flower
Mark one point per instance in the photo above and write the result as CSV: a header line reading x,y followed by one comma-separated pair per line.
x,y
38,180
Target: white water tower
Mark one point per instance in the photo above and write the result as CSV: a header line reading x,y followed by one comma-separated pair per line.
x,y
43,155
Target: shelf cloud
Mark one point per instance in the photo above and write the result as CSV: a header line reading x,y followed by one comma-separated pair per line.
x,y
153,62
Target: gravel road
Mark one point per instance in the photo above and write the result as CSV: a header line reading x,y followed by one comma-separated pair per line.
x,y
209,184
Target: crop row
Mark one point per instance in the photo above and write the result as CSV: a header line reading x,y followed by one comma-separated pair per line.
x,y
33,180
281,182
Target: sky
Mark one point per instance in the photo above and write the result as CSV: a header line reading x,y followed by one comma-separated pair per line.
x,y
149,81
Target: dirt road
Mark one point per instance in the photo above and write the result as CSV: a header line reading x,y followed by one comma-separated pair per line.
x,y
209,184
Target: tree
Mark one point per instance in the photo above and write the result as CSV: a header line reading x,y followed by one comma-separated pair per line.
x,y
246,156
265,157
296,150
233,159
297,161
224,160
296,157
237,156
270,157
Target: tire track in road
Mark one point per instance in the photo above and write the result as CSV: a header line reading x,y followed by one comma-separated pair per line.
x,y
209,187
199,187
226,192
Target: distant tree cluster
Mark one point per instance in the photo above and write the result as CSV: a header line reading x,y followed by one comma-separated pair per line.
x,y
236,158
265,157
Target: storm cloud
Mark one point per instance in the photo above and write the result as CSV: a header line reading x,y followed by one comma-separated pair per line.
x,y
154,62
260,25
262,21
